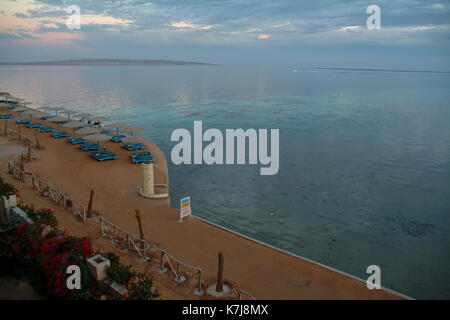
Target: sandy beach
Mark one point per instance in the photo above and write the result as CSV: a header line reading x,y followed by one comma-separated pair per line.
x,y
264,272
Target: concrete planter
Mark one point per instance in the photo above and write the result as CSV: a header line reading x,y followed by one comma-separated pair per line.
x,y
97,264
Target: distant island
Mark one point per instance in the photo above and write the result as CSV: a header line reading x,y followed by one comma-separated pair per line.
x,y
109,62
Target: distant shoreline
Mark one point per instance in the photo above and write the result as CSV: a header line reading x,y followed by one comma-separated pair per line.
x,y
383,70
108,62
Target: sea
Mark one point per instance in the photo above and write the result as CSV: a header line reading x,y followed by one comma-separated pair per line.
x,y
364,174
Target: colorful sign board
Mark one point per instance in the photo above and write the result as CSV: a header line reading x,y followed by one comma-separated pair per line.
x,y
185,207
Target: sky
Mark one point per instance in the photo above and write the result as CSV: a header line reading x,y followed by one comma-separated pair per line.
x,y
295,33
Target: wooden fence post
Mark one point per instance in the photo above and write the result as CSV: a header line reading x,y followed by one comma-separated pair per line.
x,y
219,286
139,220
38,145
91,199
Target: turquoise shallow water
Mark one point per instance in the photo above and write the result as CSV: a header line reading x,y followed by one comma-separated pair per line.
x,y
364,156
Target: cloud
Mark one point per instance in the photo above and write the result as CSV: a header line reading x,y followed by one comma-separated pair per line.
x,y
349,28
185,25
264,36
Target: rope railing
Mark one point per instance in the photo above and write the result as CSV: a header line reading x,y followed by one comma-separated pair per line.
x,y
144,248
109,229
245,293
17,136
45,189
59,197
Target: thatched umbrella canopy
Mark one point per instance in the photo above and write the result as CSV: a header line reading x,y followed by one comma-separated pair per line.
x,y
30,112
58,121
136,139
75,125
117,126
56,109
88,130
20,109
131,129
45,108
99,118
68,112
82,116
42,115
98,137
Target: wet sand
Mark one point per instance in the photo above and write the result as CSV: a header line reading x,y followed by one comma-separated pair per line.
x,y
263,271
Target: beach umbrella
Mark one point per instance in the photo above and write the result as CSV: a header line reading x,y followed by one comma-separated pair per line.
x,y
58,121
45,108
117,126
99,118
20,109
56,109
136,139
74,125
42,115
83,116
88,130
30,112
98,137
68,112
131,129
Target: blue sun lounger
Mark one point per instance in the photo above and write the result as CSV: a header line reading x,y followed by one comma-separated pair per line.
x,y
88,146
117,138
133,146
34,126
76,140
23,121
47,129
6,116
103,155
60,134
142,157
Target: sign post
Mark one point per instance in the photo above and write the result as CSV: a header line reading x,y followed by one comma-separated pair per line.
x,y
185,208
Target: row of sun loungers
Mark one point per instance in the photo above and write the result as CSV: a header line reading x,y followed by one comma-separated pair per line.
x,y
85,145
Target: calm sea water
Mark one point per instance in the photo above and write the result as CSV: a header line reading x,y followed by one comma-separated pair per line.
x,y
364,156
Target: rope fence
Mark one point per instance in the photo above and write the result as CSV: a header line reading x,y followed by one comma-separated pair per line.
x,y
59,197
117,235
146,249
